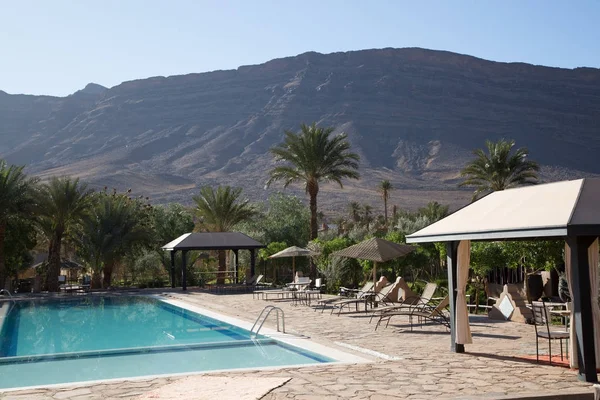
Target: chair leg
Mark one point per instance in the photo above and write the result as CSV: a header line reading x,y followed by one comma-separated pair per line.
x,y
377,324
550,351
537,350
561,351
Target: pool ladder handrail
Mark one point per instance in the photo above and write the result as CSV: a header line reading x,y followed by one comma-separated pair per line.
x,y
10,296
270,309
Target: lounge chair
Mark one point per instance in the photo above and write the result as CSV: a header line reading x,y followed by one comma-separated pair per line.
x,y
389,294
385,296
345,295
301,283
407,298
247,285
363,297
437,314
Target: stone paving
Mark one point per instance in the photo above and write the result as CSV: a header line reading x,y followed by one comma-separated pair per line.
x,y
490,368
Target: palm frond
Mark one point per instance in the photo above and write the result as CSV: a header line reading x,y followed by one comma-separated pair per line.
x,y
499,168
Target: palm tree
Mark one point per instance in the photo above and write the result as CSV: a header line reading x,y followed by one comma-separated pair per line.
x,y
499,168
384,188
16,201
112,230
434,211
340,223
63,202
312,157
354,211
220,211
367,215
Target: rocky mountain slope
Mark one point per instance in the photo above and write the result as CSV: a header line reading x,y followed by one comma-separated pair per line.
x,y
414,115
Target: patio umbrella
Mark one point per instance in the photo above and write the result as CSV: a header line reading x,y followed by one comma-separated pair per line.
x,y
376,250
294,252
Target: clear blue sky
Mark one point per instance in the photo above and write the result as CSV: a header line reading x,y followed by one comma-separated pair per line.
x,y
58,46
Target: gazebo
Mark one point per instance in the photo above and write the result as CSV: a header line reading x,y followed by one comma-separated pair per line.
x,y
568,210
234,241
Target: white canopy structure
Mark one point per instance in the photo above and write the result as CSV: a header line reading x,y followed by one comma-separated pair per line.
x,y
549,210
568,210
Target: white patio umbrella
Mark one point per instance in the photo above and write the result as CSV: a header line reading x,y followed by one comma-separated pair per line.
x,y
376,250
294,252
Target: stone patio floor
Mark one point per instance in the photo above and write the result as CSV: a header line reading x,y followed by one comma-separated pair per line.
x,y
489,368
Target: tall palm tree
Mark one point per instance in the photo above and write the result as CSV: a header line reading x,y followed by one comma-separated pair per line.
x,y
63,202
385,187
314,156
16,201
499,168
220,211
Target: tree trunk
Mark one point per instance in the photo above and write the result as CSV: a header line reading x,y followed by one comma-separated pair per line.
x,y
54,263
96,279
222,267
107,272
2,256
313,190
385,214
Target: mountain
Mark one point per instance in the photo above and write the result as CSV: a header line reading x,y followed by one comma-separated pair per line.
x,y
414,116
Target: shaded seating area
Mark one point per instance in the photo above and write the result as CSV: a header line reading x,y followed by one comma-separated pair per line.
x,y
72,278
566,211
205,241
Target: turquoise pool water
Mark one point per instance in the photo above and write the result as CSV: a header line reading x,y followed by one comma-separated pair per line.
x,y
94,338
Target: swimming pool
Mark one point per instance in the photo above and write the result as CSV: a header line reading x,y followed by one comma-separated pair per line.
x,y
55,341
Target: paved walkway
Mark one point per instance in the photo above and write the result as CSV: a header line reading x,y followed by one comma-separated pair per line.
x,y
422,365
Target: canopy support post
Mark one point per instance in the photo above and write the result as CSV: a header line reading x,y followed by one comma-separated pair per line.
x,y
582,306
236,265
252,261
452,262
184,270
172,269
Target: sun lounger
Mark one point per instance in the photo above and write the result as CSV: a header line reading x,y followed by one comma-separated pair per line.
x,y
251,284
384,296
348,294
407,298
301,283
363,298
437,314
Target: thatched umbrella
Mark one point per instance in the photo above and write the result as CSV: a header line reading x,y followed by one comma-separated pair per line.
x,y
376,250
294,252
